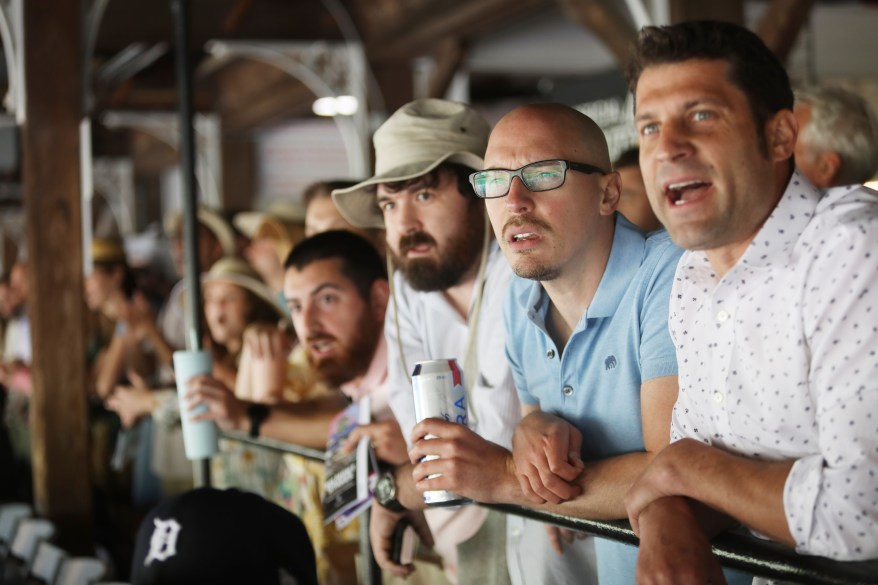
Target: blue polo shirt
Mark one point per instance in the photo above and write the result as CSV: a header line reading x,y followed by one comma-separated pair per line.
x,y
620,341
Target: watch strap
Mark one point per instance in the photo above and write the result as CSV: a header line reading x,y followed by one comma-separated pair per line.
x,y
257,413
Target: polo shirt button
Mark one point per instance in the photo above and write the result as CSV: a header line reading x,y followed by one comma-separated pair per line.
x,y
723,316
718,397
550,354
567,390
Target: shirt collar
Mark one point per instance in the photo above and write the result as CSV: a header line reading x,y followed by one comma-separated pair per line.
x,y
775,240
626,256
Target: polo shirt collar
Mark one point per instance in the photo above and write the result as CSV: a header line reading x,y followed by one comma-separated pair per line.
x,y
626,256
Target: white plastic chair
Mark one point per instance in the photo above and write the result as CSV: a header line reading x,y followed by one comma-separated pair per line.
x,y
10,516
47,562
80,571
31,531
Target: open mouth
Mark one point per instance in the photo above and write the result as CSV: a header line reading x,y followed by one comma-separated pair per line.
x,y
418,249
682,192
416,244
321,346
524,236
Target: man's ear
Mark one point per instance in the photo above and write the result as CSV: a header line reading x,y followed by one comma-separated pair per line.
x,y
827,168
780,135
611,193
379,296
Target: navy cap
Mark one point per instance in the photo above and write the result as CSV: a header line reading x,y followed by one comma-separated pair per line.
x,y
221,536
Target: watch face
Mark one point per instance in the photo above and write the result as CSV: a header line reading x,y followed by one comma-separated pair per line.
x,y
385,488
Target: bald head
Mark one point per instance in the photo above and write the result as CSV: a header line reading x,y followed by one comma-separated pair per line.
x,y
543,132
554,222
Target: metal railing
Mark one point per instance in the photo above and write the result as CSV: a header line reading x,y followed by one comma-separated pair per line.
x,y
736,549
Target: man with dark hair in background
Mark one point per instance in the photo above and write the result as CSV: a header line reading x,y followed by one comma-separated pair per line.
x,y
336,290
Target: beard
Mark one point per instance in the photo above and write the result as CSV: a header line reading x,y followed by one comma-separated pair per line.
x,y
352,358
437,274
521,263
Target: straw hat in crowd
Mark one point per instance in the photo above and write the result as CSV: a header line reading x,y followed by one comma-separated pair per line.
x,y
283,223
209,218
233,270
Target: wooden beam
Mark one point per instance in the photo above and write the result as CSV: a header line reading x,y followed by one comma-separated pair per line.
x,y
238,176
151,156
132,96
606,21
285,99
414,28
252,94
51,179
396,81
727,10
449,56
236,15
781,24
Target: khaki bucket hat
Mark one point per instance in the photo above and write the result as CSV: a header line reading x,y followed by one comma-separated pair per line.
x,y
416,139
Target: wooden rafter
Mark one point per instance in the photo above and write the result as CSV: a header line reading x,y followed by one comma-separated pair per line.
x,y
415,28
236,15
781,24
606,21
449,57
727,10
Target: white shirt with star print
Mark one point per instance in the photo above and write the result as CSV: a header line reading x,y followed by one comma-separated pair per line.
x,y
778,360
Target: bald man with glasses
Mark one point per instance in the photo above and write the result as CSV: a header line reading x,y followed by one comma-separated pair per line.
x,y
586,337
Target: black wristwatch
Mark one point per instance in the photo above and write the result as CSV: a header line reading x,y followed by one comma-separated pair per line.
x,y
385,491
257,413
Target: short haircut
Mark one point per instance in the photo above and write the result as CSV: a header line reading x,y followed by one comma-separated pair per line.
x,y
629,158
360,261
753,68
842,121
323,189
431,180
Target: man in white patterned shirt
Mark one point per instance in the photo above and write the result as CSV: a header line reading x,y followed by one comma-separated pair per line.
x,y
776,424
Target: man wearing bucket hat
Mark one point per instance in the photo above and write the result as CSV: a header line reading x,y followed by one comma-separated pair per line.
x,y
447,303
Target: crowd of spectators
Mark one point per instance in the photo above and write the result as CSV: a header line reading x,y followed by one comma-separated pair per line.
x,y
683,338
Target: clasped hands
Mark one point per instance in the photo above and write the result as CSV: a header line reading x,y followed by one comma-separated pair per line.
x,y
542,467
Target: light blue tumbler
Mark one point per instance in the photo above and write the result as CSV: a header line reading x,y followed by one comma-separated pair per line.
x,y
200,437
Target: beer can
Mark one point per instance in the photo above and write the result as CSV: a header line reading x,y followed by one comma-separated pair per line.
x,y
439,393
